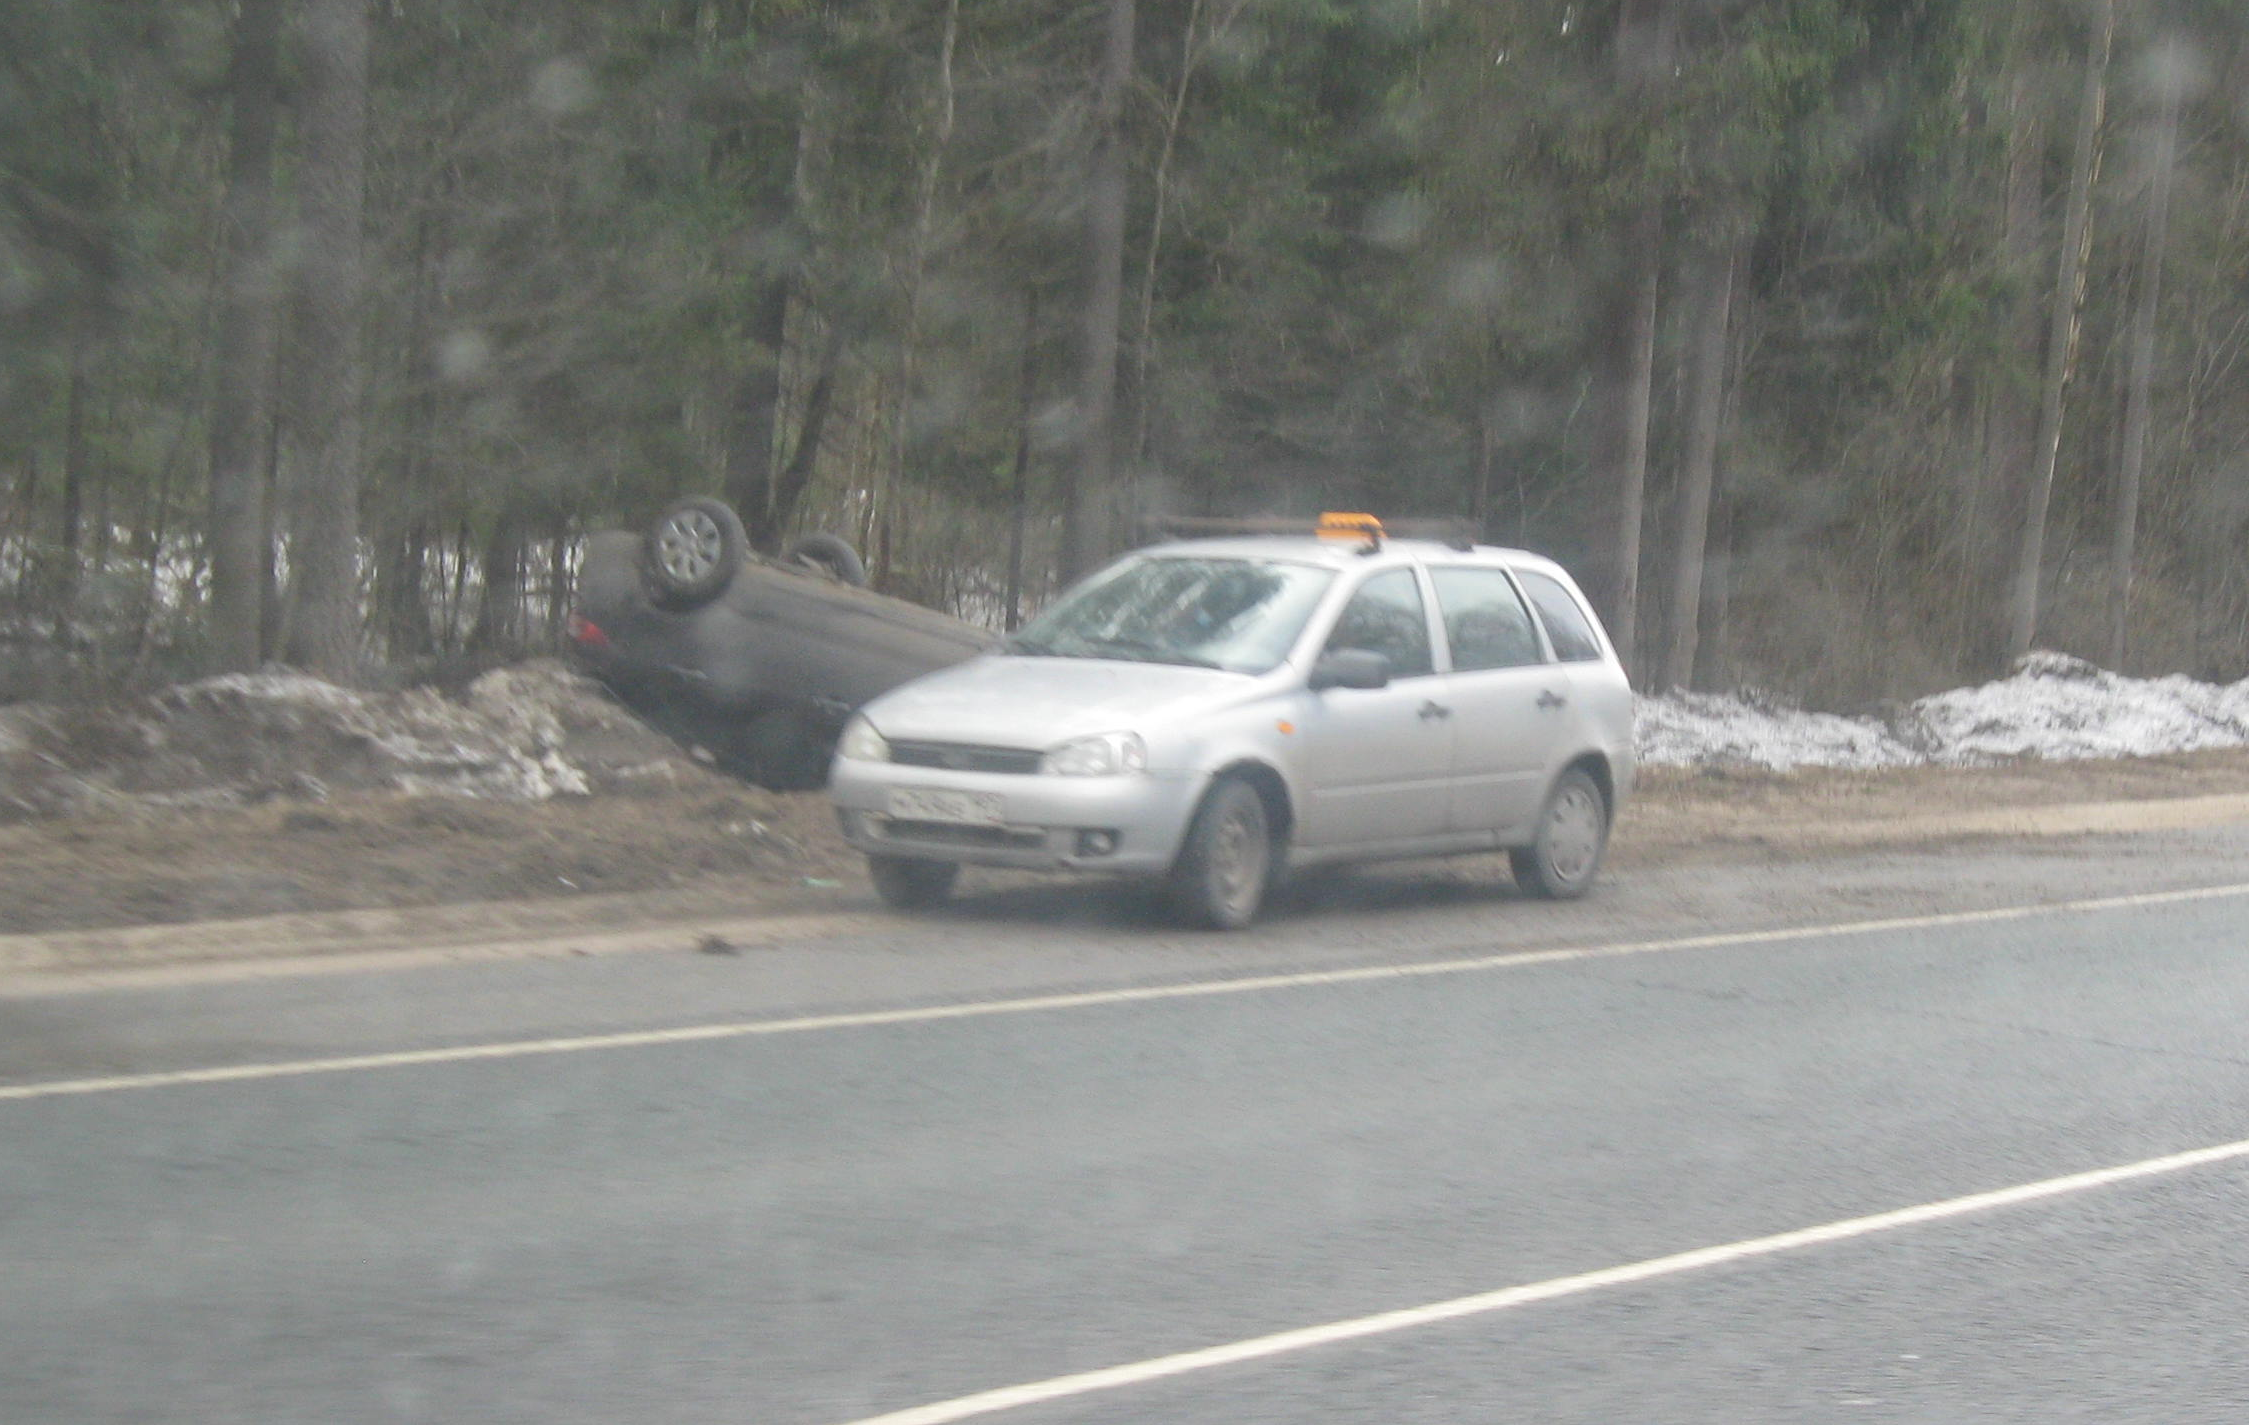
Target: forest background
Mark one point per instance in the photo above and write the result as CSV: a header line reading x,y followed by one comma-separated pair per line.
x,y
1845,348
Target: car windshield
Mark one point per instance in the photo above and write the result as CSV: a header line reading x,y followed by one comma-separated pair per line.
x,y
1240,615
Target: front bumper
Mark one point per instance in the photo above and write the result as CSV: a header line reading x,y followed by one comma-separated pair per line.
x,y
1048,822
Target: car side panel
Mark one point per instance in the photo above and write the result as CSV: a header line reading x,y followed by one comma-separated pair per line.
x,y
1370,764
1508,731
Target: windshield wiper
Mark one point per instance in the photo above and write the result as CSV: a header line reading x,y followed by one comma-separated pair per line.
x,y
1140,650
1028,647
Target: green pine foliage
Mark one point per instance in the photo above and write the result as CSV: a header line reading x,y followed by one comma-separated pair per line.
x,y
614,250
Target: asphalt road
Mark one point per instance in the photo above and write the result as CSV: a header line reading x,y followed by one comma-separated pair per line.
x,y
786,1189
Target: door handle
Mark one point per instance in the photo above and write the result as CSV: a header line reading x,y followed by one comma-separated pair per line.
x,y
1434,709
1548,698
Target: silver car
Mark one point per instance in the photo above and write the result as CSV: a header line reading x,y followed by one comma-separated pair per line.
x,y
1214,711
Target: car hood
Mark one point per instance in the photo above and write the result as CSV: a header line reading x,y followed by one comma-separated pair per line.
x,y
1041,702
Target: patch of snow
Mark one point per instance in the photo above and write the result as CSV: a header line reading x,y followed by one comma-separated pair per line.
x,y
2051,707
1710,730
528,733
539,730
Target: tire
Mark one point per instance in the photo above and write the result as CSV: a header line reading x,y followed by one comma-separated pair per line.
x,y
1573,832
829,552
1226,864
907,883
692,551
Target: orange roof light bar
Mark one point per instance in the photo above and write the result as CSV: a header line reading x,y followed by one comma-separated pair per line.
x,y
1337,524
1333,524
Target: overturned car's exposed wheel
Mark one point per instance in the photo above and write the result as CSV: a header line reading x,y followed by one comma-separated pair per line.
x,y
829,552
692,551
907,883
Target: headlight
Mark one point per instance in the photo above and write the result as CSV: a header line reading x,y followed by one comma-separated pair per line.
x,y
861,743
1106,755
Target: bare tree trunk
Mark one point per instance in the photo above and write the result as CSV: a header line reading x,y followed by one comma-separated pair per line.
x,y
402,561
2010,416
558,581
324,632
2161,159
105,519
74,463
1485,436
777,188
2061,351
1715,271
1086,488
757,402
272,606
1644,42
1159,200
917,254
1632,340
499,613
1190,60
241,395
788,490
1025,391
1712,668
155,526
450,631
401,580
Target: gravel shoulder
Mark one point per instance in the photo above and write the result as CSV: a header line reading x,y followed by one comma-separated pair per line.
x,y
390,868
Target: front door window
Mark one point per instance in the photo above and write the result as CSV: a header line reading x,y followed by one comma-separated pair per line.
x,y
1374,761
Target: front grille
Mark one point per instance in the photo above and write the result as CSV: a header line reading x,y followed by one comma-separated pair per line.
x,y
965,757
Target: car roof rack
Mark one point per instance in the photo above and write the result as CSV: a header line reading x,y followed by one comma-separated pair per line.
x,y
1458,533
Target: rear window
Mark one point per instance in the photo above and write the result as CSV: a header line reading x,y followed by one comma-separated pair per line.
x,y
1566,623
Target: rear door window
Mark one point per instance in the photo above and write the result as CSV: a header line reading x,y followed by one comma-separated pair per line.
x,y
1566,623
1485,621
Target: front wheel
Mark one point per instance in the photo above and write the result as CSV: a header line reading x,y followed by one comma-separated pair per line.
x,y
1227,861
692,551
909,883
1573,831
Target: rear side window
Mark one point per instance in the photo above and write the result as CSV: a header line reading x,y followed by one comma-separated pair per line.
x,y
1386,617
1574,639
1485,621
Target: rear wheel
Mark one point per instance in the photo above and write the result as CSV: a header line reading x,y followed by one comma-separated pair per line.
x,y
1573,832
1227,861
908,883
829,552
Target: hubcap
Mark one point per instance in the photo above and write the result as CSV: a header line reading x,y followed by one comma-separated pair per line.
x,y
1237,859
688,545
1573,833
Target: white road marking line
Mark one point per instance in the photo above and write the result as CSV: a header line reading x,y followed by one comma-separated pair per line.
x,y
1088,999
1484,1303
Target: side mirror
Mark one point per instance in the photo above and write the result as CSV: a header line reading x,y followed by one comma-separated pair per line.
x,y
1350,668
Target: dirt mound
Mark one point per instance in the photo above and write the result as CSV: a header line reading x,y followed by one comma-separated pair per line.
x,y
525,733
274,792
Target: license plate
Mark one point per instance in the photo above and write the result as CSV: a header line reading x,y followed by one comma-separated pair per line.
x,y
944,804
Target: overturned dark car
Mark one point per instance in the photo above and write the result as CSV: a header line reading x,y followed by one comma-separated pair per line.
x,y
757,660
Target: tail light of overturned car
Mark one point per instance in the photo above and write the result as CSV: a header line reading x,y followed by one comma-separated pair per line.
x,y
586,633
